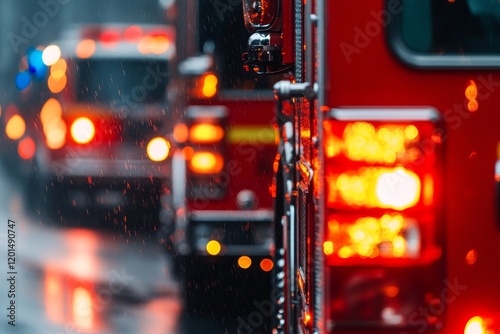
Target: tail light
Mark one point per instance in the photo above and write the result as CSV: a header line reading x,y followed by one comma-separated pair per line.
x,y
481,325
205,86
82,130
15,127
206,163
205,149
259,14
206,133
383,239
26,148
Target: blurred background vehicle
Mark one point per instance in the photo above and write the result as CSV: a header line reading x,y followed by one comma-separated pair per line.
x,y
222,167
102,129
227,176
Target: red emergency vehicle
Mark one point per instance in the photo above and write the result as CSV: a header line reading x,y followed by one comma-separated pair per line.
x,y
101,133
219,225
386,170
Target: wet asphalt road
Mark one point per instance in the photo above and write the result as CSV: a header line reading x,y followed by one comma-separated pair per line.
x,y
85,280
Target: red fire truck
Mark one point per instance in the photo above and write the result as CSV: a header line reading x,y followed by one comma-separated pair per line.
x,y
218,219
386,168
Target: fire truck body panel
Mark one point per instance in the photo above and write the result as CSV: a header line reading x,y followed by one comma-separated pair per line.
x,y
364,72
364,78
250,139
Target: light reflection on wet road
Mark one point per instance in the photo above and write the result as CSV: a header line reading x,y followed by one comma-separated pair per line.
x,y
88,280
84,281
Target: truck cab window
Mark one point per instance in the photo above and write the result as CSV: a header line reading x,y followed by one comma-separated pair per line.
x,y
446,28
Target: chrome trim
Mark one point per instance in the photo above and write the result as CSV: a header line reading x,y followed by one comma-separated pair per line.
x,y
232,215
194,112
310,172
319,315
107,168
179,203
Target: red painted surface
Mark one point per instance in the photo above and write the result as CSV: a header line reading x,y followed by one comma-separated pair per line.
x,y
249,165
372,76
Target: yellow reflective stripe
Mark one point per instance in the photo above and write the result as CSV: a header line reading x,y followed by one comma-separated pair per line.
x,y
251,135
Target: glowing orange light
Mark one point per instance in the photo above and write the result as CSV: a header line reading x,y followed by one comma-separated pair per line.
x,y
209,85
53,300
144,45
396,188
471,90
244,262
85,49
206,163
132,34
266,265
475,325
26,148
370,237
50,110
15,128
472,105
307,318
328,247
158,149
471,257
82,311
213,247
363,142
428,190
181,133
159,44
188,152
345,252
55,133
57,81
61,65
391,291
205,133
82,130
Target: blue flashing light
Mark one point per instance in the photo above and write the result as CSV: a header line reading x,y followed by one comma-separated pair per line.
x,y
23,80
35,63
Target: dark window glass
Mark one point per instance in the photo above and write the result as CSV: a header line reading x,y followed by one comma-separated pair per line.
x,y
106,80
448,27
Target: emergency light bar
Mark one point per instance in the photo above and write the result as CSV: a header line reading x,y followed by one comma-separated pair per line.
x,y
260,14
